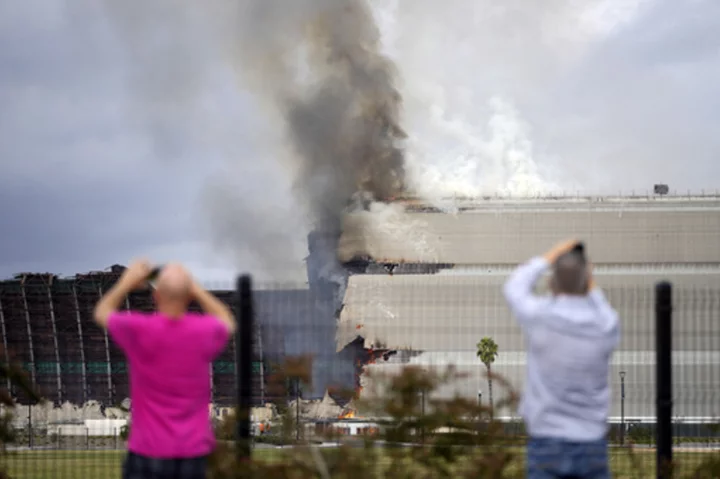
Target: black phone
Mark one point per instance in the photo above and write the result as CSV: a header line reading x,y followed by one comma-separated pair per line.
x,y
154,273
579,250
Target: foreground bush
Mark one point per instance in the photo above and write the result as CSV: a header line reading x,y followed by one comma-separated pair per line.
x,y
421,438
14,374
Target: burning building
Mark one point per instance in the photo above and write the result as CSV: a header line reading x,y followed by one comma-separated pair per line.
x,y
346,141
47,326
427,284
406,284
309,326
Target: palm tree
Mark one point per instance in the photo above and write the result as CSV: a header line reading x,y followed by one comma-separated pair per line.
x,y
487,351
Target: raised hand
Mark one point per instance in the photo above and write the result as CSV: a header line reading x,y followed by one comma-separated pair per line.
x,y
560,249
136,275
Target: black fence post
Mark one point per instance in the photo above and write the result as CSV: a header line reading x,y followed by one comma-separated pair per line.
x,y
663,370
422,415
297,409
243,363
622,408
30,425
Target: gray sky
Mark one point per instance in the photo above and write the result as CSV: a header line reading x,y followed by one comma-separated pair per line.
x,y
576,95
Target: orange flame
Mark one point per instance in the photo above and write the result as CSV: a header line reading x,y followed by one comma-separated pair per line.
x,y
349,414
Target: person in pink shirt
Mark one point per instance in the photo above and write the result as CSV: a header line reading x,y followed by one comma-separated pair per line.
x,y
169,353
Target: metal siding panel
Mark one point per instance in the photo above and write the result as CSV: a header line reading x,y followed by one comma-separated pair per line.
x,y
444,312
636,236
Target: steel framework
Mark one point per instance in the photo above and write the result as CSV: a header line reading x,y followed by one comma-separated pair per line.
x,y
47,326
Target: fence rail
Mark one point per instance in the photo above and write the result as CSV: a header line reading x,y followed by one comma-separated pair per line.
x,y
386,324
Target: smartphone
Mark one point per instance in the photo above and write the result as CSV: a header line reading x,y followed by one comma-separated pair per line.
x,y
579,250
154,274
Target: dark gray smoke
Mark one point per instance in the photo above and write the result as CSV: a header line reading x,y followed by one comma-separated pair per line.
x,y
319,83
319,62
323,106
336,95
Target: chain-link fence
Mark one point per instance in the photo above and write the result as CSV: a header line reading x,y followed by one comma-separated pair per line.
x,y
386,324
322,351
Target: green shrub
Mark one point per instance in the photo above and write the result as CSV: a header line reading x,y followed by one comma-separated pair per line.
x,y
473,446
640,434
709,468
448,438
14,373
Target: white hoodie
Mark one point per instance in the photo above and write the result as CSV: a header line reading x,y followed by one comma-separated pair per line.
x,y
570,340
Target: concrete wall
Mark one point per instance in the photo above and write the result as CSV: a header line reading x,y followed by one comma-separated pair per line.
x,y
42,415
73,419
90,427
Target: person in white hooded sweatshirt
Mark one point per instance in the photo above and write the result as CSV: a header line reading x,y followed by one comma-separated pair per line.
x,y
571,335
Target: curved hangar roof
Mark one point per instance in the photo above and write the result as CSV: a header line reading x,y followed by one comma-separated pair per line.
x,y
617,230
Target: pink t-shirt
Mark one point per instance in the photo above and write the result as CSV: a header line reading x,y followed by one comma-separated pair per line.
x,y
169,366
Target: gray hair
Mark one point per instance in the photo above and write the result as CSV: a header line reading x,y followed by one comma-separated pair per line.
x,y
570,274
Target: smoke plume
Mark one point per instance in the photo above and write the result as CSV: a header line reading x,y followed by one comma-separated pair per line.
x,y
323,95
319,63
327,109
318,66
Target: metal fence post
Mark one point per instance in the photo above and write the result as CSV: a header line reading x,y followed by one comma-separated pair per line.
x,y
30,425
422,415
663,370
243,364
622,408
297,409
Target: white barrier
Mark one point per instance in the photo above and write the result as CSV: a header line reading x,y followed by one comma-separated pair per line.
x,y
90,427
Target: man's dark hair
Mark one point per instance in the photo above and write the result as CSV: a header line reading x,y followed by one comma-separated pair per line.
x,y
570,274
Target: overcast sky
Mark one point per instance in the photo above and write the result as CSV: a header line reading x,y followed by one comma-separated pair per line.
x,y
596,96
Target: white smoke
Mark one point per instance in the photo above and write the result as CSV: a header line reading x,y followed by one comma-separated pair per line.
x,y
461,159
467,66
512,98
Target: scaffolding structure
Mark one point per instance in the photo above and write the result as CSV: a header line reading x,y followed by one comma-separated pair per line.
x,y
46,323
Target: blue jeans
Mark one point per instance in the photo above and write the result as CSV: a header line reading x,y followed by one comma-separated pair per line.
x,y
549,458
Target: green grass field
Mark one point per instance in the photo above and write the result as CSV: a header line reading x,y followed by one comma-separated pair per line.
x,y
107,464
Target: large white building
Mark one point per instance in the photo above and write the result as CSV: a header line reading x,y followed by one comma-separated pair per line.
x,y
634,242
